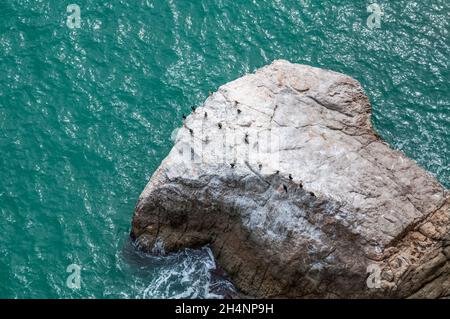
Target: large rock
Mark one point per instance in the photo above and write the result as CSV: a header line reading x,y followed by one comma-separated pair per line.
x,y
316,204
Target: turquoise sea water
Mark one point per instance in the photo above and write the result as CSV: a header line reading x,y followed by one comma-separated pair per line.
x,y
86,116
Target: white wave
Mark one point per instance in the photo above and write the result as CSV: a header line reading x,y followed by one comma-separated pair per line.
x,y
189,276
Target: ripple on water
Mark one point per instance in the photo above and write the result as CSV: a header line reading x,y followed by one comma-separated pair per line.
x,y
86,117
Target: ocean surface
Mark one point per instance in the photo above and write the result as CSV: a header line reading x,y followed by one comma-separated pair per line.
x,y
86,116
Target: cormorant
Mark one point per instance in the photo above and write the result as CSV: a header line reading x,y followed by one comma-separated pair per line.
x,y
285,188
220,125
191,131
260,166
193,108
246,138
232,165
184,117
239,111
312,194
206,115
290,177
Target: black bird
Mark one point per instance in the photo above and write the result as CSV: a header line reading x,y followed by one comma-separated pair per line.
x,y
239,111
232,165
290,177
312,194
246,138
301,185
206,115
260,166
220,125
191,131
285,188
193,108
277,172
184,117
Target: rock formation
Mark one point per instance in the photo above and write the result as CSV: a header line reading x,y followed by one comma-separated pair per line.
x,y
296,195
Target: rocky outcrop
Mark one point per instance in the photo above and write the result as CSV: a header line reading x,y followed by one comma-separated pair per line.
x,y
282,175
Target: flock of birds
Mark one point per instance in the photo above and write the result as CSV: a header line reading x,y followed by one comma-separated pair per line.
x,y
246,140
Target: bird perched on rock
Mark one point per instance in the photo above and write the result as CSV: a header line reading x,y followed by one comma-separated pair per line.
x,y
232,165
301,185
285,188
191,131
239,111
312,194
184,117
193,108
277,172
290,177
260,166
220,125
206,115
246,138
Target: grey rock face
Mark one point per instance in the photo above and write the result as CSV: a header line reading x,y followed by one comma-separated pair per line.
x,y
282,175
